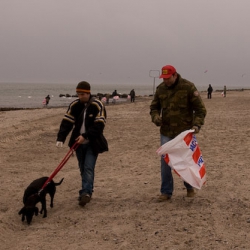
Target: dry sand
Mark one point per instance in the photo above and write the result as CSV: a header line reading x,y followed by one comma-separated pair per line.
x,y
123,213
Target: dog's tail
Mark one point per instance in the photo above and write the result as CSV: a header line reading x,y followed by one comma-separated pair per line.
x,y
59,183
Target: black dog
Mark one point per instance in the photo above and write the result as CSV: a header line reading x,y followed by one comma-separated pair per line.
x,y
32,196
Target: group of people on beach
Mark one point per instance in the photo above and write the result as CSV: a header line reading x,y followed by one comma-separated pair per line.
x,y
107,97
176,106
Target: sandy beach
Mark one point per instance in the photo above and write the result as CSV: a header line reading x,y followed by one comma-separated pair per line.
x,y
124,213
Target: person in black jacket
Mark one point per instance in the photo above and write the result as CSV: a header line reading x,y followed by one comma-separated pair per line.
x,y
132,95
209,92
114,93
87,117
47,98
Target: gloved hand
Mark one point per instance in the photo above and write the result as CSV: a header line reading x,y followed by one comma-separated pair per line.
x,y
157,120
196,129
59,143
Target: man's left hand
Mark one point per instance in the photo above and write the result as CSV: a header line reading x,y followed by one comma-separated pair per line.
x,y
196,129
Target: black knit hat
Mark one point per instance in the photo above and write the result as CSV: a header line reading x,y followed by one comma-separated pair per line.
x,y
83,87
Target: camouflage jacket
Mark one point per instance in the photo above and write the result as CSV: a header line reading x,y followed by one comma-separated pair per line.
x,y
180,107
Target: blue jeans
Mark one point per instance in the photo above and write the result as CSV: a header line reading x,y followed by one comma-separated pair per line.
x,y
167,182
86,161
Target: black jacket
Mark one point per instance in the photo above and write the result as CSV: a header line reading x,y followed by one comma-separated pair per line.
x,y
210,89
95,120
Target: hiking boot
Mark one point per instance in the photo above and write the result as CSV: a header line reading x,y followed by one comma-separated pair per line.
x,y
84,199
163,197
190,192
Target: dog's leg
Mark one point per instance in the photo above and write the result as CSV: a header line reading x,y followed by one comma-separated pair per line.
x,y
36,211
52,194
51,201
44,210
52,191
22,212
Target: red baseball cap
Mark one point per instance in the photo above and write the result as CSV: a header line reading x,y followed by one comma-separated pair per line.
x,y
167,71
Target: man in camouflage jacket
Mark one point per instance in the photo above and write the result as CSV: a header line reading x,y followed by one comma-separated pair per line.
x,y
176,107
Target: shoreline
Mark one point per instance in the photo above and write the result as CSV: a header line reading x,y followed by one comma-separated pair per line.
x,y
124,100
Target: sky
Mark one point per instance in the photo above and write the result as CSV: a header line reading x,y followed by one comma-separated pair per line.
x,y
124,41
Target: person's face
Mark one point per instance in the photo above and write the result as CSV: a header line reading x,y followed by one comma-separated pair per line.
x,y
170,81
84,97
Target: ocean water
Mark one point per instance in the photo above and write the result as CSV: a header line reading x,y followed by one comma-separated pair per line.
x,y
31,95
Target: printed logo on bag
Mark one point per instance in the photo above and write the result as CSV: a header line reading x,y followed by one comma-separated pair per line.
x,y
192,143
184,156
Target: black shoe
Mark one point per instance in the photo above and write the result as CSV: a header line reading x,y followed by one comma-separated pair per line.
x,y
164,197
190,192
84,199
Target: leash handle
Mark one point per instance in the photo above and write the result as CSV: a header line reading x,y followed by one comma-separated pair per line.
x,y
62,163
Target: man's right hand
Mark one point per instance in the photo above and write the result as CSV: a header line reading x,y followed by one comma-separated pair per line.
x,y
157,120
59,143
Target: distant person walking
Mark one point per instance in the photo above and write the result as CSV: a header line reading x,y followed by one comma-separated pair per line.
x,y
209,92
132,95
47,98
225,91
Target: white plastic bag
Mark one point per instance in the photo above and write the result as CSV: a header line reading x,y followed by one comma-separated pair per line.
x,y
183,155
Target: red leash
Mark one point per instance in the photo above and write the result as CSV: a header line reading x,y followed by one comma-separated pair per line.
x,y
62,163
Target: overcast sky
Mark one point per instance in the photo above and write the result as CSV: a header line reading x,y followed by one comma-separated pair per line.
x,y
120,41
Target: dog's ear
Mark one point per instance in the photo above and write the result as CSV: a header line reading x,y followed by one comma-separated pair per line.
x,y
36,211
22,211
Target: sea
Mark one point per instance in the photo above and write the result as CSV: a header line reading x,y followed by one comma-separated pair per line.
x,y
31,95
